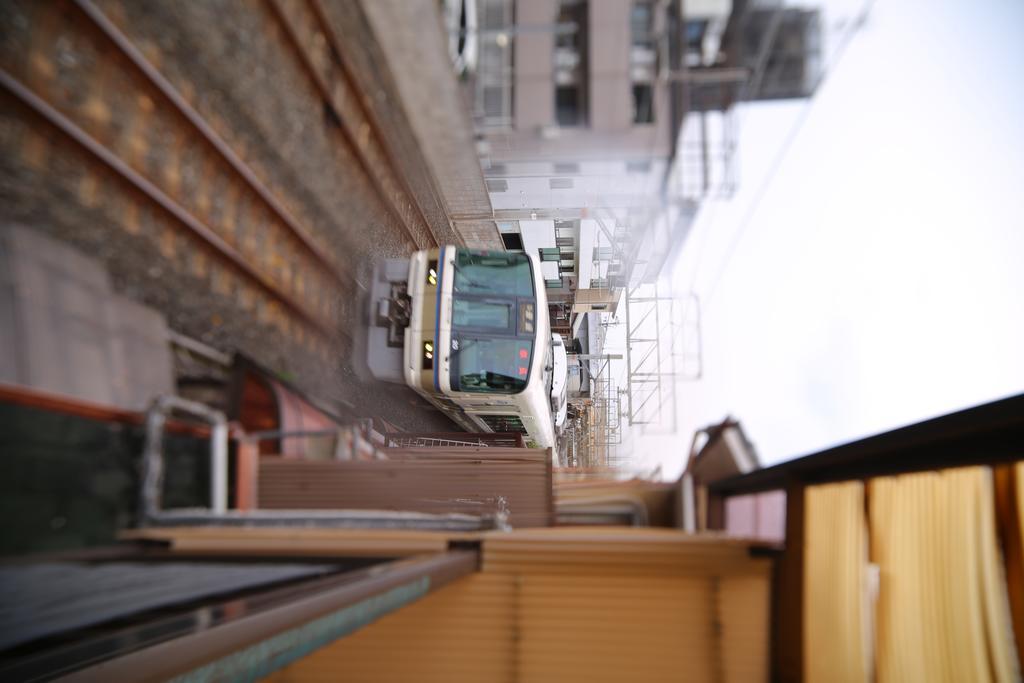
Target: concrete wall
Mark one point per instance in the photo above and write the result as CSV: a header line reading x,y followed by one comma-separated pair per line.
x,y
66,332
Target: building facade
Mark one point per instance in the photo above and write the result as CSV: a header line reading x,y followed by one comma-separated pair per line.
x,y
575,134
601,127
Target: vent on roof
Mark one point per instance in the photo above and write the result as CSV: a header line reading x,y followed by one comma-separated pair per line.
x,y
497,185
567,169
560,183
497,169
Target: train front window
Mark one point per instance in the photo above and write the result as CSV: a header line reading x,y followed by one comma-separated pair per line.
x,y
471,313
496,366
493,272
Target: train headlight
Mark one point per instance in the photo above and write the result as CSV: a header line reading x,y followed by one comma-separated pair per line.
x,y
428,355
432,273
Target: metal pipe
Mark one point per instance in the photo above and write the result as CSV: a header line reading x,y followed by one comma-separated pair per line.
x,y
199,348
219,466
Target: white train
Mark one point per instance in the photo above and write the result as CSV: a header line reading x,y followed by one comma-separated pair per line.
x,y
475,338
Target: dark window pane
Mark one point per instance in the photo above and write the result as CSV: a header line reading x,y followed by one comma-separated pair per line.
x,y
695,33
643,103
512,241
571,20
567,105
641,24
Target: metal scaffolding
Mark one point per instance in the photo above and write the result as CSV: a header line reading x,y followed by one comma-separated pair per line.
x,y
650,369
605,424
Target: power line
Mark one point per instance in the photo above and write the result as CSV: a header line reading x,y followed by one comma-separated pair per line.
x,y
781,155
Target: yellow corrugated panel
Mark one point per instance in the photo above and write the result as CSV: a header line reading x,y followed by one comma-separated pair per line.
x,y
835,596
943,612
463,632
615,628
576,551
744,614
639,605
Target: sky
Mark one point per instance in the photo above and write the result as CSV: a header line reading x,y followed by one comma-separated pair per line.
x,y
872,274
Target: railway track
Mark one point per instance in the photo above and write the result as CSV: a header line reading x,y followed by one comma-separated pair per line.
x,y
318,48
86,95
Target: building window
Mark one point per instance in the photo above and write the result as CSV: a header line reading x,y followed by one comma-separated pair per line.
x,y
565,242
695,30
510,235
513,241
568,108
555,283
550,254
570,68
643,103
643,60
641,23
565,228
493,78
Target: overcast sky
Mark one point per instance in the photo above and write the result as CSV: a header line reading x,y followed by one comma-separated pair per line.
x,y
880,279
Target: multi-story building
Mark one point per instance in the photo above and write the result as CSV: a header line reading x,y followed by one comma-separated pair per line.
x,y
576,134
578,107
589,116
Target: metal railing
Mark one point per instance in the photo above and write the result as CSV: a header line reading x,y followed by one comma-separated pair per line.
x,y
419,441
151,491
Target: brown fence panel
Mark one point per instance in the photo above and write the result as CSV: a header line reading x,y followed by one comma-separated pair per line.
x,y
466,480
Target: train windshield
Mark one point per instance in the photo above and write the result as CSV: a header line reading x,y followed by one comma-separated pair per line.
x,y
497,366
494,322
493,272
